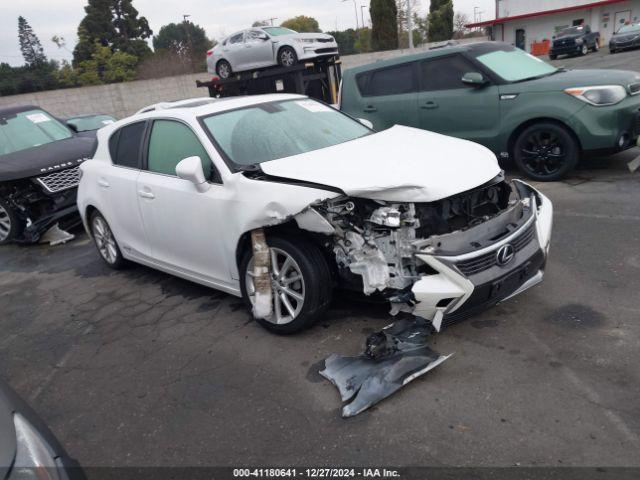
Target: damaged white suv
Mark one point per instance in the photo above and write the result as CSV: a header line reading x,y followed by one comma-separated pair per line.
x,y
280,199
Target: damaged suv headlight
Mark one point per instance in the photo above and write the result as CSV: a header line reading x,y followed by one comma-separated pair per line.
x,y
386,216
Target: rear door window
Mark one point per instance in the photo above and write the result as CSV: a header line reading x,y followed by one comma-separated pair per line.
x,y
125,145
388,81
444,73
237,38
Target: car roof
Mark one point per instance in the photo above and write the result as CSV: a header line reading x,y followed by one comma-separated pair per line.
x,y
436,52
219,105
12,110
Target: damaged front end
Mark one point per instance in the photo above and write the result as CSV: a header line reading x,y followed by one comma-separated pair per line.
x,y
40,207
442,260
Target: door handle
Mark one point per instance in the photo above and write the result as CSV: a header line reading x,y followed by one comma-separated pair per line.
x,y
103,183
146,194
370,109
429,105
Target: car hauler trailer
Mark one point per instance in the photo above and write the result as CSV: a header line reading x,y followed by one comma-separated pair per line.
x,y
318,79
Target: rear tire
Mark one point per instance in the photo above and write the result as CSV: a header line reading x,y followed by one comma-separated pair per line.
x,y
314,287
287,57
106,242
546,151
596,46
223,69
11,226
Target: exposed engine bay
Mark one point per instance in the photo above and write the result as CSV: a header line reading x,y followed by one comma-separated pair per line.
x,y
377,242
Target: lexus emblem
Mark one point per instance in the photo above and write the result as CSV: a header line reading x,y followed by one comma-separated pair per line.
x,y
505,254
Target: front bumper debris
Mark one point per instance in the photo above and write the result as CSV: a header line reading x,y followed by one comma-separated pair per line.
x,y
393,357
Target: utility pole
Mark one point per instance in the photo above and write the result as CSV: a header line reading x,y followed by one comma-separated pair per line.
x,y
355,7
272,19
362,7
185,22
410,24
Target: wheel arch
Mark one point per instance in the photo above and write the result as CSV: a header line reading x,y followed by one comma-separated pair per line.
x,y
88,211
526,124
289,230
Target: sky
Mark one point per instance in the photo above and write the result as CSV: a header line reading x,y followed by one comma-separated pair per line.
x,y
218,17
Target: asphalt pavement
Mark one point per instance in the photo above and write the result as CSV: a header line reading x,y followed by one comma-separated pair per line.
x,y
141,368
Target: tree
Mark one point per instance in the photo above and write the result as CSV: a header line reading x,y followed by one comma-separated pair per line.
x,y
30,45
384,33
114,24
260,23
106,66
187,40
440,20
460,22
302,24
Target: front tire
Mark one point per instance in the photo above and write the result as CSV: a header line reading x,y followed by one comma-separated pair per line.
x,y
546,151
552,56
301,284
10,225
106,242
584,50
223,69
287,57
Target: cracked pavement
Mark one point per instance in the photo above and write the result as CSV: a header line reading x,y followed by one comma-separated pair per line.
x,y
140,368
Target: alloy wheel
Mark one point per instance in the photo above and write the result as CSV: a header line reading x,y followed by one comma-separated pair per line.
x,y
104,240
223,70
287,286
286,57
585,49
543,153
5,224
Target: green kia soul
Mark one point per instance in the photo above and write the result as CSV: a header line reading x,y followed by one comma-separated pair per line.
x,y
542,117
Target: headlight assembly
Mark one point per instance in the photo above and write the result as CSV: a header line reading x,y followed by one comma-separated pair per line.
x,y
600,95
579,41
34,458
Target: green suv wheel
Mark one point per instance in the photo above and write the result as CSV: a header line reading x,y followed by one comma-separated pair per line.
x,y
545,151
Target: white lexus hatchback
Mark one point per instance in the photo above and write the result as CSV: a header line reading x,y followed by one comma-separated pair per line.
x,y
281,199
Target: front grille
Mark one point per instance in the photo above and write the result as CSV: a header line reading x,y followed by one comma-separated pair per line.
x,y
62,180
486,261
634,88
326,50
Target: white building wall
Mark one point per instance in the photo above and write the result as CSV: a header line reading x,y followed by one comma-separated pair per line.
x,y
601,19
510,8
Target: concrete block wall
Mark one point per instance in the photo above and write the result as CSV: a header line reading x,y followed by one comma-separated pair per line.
x,y
124,99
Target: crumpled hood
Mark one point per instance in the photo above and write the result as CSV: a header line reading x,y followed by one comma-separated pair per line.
x,y
46,158
401,164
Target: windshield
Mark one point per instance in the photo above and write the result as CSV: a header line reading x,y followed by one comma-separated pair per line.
x,y
629,29
275,31
515,65
29,129
269,131
94,122
571,31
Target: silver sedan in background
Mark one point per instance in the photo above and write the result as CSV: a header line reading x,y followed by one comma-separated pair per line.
x,y
265,47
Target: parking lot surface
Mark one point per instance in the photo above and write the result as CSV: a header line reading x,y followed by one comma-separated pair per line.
x,y
141,368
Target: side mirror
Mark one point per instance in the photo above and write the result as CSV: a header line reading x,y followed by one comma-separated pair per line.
x,y
366,123
263,36
72,126
474,79
191,169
